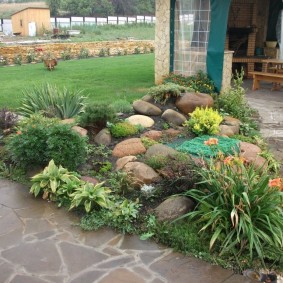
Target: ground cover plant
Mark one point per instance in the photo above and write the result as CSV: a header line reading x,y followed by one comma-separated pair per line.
x,y
101,79
244,202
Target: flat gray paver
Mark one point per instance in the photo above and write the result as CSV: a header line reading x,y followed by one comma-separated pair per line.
x,y
40,243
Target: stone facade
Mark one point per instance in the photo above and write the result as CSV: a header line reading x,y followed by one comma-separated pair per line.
x,y
227,70
121,47
162,40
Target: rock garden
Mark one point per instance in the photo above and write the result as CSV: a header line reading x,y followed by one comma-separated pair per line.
x,y
182,165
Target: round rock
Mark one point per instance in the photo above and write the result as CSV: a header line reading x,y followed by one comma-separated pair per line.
x,y
103,137
160,149
190,101
173,117
127,147
142,120
121,162
146,108
154,135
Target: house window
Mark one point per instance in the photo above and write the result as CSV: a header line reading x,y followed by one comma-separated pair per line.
x,y
191,32
21,23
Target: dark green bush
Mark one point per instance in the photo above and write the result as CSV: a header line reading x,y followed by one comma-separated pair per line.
x,y
97,115
36,144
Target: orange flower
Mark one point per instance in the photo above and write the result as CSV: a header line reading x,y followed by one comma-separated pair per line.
x,y
211,141
276,183
19,133
228,160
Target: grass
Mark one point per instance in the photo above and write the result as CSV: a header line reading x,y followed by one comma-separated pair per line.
x,y
141,31
102,79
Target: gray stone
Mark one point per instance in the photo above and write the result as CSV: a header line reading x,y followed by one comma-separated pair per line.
x,y
141,120
190,101
160,149
127,147
141,173
173,117
173,207
103,137
147,98
146,108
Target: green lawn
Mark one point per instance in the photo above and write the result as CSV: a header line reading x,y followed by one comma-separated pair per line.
x,y
102,79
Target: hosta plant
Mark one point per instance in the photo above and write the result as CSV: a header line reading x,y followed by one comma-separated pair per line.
x,y
90,195
54,183
240,207
204,121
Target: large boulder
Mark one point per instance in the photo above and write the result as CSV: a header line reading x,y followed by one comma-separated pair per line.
x,y
190,101
250,153
173,207
226,131
173,117
141,173
160,149
121,162
127,147
142,120
146,108
153,134
103,137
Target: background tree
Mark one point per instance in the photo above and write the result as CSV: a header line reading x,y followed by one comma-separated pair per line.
x,y
54,6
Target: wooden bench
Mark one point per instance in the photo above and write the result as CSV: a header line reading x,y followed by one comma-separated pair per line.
x,y
263,76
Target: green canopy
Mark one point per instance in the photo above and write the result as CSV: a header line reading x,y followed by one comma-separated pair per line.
x,y
216,43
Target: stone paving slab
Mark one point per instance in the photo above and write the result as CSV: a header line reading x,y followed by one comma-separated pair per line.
x,y
40,243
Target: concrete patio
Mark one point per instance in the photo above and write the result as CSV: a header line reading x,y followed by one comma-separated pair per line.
x,y
40,243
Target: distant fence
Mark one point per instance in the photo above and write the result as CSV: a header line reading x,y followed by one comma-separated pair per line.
x,y
6,24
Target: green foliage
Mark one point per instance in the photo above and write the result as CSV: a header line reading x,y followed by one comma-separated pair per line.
x,y
122,106
120,182
52,102
147,142
84,53
36,144
234,103
66,54
90,195
7,119
104,52
31,56
18,59
120,216
3,61
54,183
239,209
157,161
162,93
204,121
199,83
123,129
97,115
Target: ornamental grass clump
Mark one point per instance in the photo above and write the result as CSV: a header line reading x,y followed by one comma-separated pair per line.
x,y
52,102
240,207
204,121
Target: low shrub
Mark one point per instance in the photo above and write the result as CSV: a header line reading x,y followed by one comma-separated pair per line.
x,y
204,121
31,56
18,59
66,54
122,106
97,115
199,83
147,142
52,102
162,93
123,129
84,53
156,161
241,209
36,144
